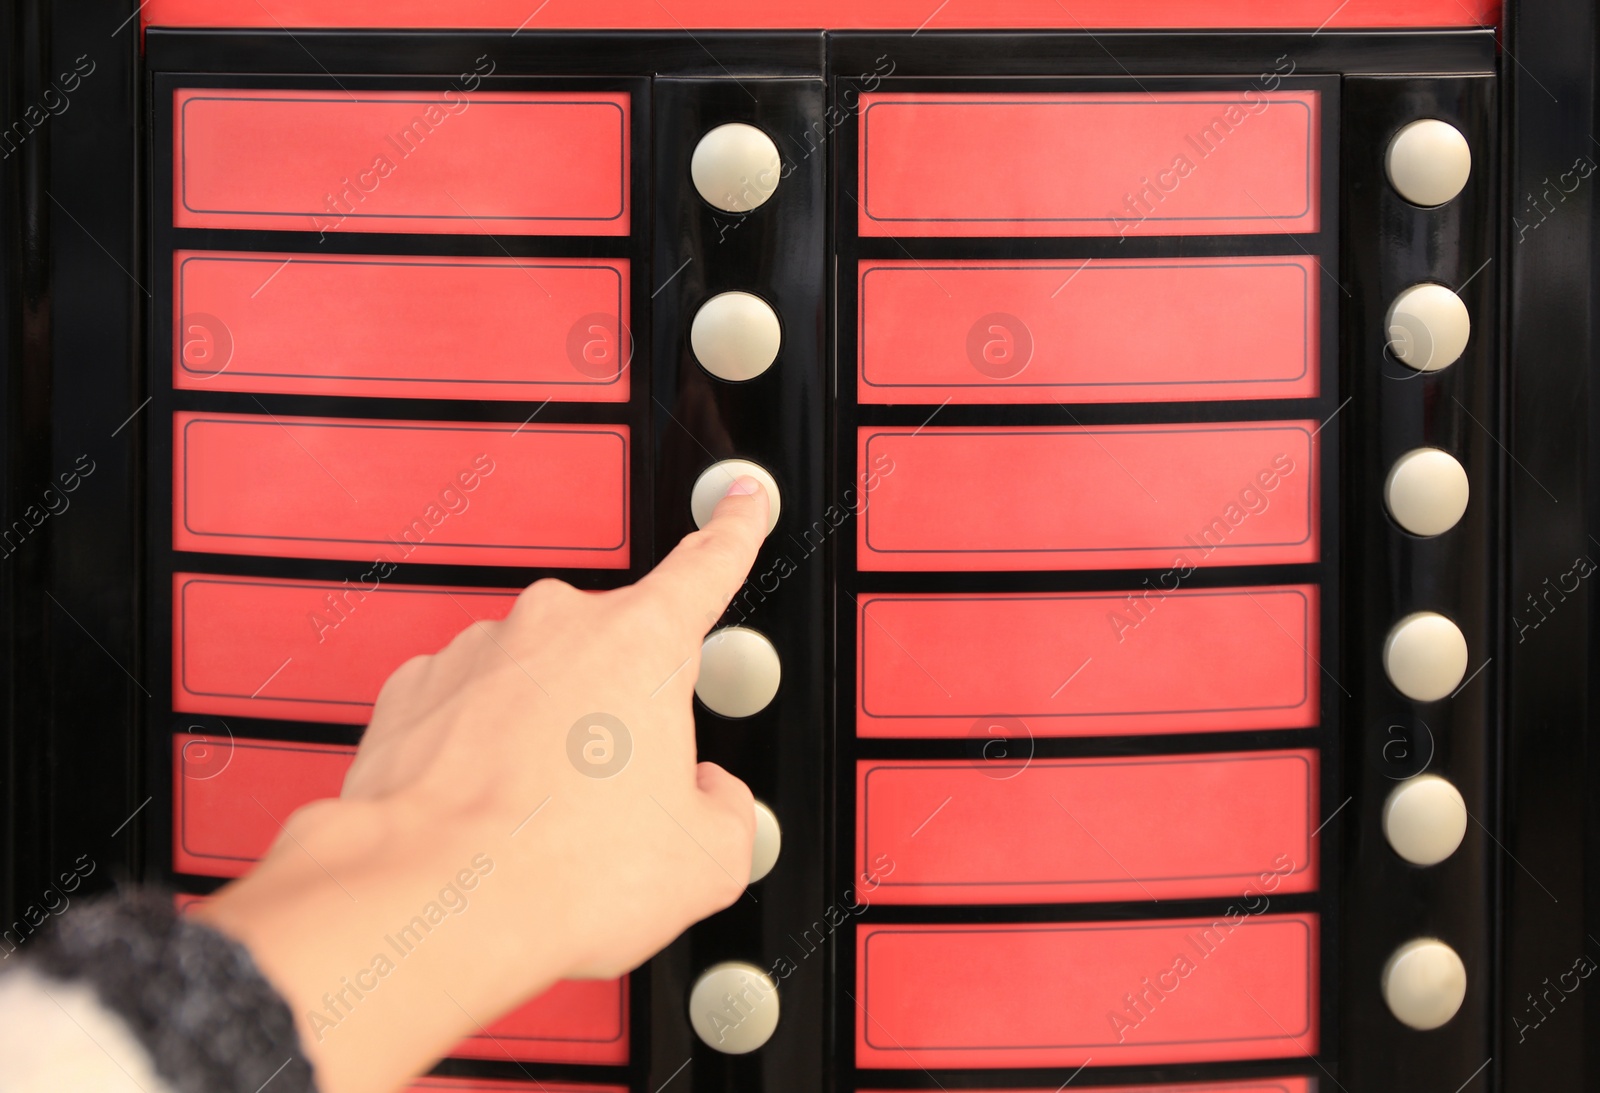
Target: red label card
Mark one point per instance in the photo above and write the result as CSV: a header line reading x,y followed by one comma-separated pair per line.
x,y
463,328
1244,1085
1241,986
490,1085
1088,330
810,14
576,1021
307,650
440,160
230,797
454,493
1168,827
1097,497
1158,659
1224,162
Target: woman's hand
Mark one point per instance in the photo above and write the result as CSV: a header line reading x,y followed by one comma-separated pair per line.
x,y
531,794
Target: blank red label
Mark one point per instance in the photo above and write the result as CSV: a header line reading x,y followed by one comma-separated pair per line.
x,y
307,650
1150,660
1088,330
230,797
576,1021
1241,986
490,1085
1247,1085
1098,497
432,161
1171,827
811,14
1229,162
450,493
463,328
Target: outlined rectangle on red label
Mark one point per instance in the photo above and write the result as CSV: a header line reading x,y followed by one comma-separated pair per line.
x,y
1243,1085
302,650
1088,330
403,327
1239,161
1089,497
441,160
576,1021
1143,828
230,796
1240,986
494,1085
479,493
1157,659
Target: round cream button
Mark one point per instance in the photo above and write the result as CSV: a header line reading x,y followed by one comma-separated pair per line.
x,y
735,336
739,672
1426,491
1425,819
1424,983
734,1007
769,841
713,483
1425,656
1428,327
736,167
1429,162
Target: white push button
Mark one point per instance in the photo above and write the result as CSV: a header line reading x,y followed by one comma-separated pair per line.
x,y
713,483
1424,983
769,841
739,672
736,167
1429,162
1426,491
1428,327
1425,656
735,336
1425,819
734,1007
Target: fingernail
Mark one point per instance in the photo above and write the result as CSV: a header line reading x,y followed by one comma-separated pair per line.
x,y
743,486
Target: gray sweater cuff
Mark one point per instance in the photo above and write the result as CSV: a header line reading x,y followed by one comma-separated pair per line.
x,y
209,1020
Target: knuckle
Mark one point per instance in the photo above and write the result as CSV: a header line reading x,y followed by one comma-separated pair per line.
x,y
543,594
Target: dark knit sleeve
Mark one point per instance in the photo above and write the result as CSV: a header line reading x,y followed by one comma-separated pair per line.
x,y
192,997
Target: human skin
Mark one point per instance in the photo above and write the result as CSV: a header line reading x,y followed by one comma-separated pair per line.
x,y
466,759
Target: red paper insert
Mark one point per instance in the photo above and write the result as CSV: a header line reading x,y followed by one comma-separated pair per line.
x,y
1161,658
1225,162
1088,330
308,650
810,14
1094,497
231,796
436,160
1240,986
1168,827
576,1021
394,491
381,325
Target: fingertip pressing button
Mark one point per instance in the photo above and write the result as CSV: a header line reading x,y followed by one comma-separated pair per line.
x,y
1426,491
736,167
1428,327
739,672
733,1007
1424,983
735,336
1425,819
1425,656
769,841
713,483
1428,162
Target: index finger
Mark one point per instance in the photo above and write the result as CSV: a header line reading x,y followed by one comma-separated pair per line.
x,y
703,573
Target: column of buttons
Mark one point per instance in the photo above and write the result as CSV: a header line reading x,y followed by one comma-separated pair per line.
x,y
1425,656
